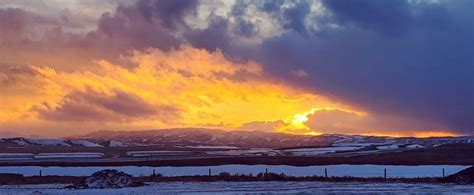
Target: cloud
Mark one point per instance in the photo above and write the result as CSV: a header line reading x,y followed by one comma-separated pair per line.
x,y
27,37
422,69
398,59
263,125
168,12
389,17
92,105
12,76
177,88
339,121
294,17
79,16
383,16
16,23
142,25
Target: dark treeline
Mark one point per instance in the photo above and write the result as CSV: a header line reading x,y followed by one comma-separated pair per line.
x,y
270,176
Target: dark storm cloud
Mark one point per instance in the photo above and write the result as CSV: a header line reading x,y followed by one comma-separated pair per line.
x,y
386,16
213,37
221,31
389,17
170,13
294,17
93,105
385,63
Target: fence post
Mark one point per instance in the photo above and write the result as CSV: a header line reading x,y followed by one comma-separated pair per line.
x,y
266,170
443,172
154,173
210,172
40,174
385,174
326,173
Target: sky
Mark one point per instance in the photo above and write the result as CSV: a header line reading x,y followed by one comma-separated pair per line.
x,y
367,67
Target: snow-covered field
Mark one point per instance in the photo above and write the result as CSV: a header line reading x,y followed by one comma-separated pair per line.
x,y
325,150
157,153
54,155
389,147
69,155
16,156
253,188
333,170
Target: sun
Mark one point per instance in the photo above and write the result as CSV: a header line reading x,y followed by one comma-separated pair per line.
x,y
313,133
297,122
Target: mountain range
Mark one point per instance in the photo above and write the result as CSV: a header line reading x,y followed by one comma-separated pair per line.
x,y
185,137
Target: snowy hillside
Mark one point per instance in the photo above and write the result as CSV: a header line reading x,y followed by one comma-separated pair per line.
x,y
220,139
214,138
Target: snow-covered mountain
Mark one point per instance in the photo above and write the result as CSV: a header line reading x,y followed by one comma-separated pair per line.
x,y
211,138
257,139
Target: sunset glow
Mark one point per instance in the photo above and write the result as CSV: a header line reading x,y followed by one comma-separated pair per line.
x,y
82,67
201,96
181,88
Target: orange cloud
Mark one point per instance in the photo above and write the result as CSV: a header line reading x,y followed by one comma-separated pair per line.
x,y
350,122
333,120
184,87
179,88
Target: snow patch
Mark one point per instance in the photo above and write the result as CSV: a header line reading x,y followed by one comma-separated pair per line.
x,y
352,144
48,142
437,145
324,150
158,153
16,156
389,147
69,155
114,143
85,143
415,146
21,142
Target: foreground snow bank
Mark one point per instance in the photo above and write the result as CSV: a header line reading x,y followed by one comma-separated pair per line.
x,y
251,188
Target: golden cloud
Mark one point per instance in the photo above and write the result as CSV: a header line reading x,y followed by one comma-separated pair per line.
x,y
179,88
